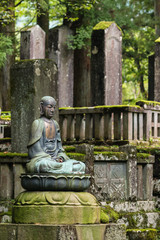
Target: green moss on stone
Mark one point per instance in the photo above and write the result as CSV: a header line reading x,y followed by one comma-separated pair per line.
x,y
76,156
104,25
105,149
9,154
143,155
69,148
104,218
153,103
103,106
5,139
143,234
8,213
112,214
118,155
149,150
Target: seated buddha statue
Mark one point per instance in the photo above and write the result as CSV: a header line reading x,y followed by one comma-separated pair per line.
x,y
45,149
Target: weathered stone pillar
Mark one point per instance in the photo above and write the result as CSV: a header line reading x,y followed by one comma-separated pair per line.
x,y
131,170
33,43
82,84
59,52
30,81
106,64
157,71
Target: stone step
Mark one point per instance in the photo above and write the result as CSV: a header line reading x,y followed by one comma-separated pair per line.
x,y
142,234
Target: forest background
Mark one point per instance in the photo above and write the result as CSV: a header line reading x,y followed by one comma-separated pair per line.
x,y
138,20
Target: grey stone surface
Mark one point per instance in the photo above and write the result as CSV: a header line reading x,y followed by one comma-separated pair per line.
x,y
32,43
128,206
111,178
157,73
55,232
140,220
59,52
116,232
106,66
30,81
131,170
82,83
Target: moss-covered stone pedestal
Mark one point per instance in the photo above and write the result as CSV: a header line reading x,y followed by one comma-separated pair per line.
x,y
54,214
56,208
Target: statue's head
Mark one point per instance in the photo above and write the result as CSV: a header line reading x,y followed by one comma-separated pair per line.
x,y
47,106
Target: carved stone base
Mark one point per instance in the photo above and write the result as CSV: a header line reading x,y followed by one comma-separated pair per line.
x,y
56,208
55,182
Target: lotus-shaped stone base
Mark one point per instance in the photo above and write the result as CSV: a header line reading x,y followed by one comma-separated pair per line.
x,y
55,182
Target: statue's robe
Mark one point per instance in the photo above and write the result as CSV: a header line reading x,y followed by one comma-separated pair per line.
x,y
41,161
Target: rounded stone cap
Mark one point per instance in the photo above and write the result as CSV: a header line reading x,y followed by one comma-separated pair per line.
x,y
55,182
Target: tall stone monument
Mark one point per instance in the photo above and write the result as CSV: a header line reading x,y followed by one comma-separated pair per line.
x,y
32,43
31,79
157,71
59,52
106,64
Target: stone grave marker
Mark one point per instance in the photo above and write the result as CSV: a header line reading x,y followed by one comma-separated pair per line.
x,y
106,64
33,43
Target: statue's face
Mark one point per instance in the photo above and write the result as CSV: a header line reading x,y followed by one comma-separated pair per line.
x,y
49,109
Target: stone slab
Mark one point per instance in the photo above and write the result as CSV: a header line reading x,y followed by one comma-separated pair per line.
x,y
142,234
57,232
128,206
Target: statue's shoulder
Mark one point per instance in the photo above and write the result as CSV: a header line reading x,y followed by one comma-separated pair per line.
x,y
36,131
38,121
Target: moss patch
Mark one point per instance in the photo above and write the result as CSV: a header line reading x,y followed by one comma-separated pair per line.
x,y
104,25
9,154
149,103
111,213
69,148
149,150
117,155
105,149
104,218
103,106
142,234
76,156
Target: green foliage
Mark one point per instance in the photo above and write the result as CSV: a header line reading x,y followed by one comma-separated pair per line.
x,y
80,39
6,48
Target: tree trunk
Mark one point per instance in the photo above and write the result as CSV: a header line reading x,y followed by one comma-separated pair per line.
x,y
8,30
141,79
157,17
43,20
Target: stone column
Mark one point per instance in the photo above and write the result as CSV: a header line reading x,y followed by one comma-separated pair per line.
x,y
30,81
82,84
33,43
59,52
131,170
106,64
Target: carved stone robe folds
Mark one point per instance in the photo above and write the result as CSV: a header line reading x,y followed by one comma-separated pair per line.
x,y
44,152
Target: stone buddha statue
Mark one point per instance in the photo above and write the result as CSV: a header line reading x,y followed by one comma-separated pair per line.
x,y
45,147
